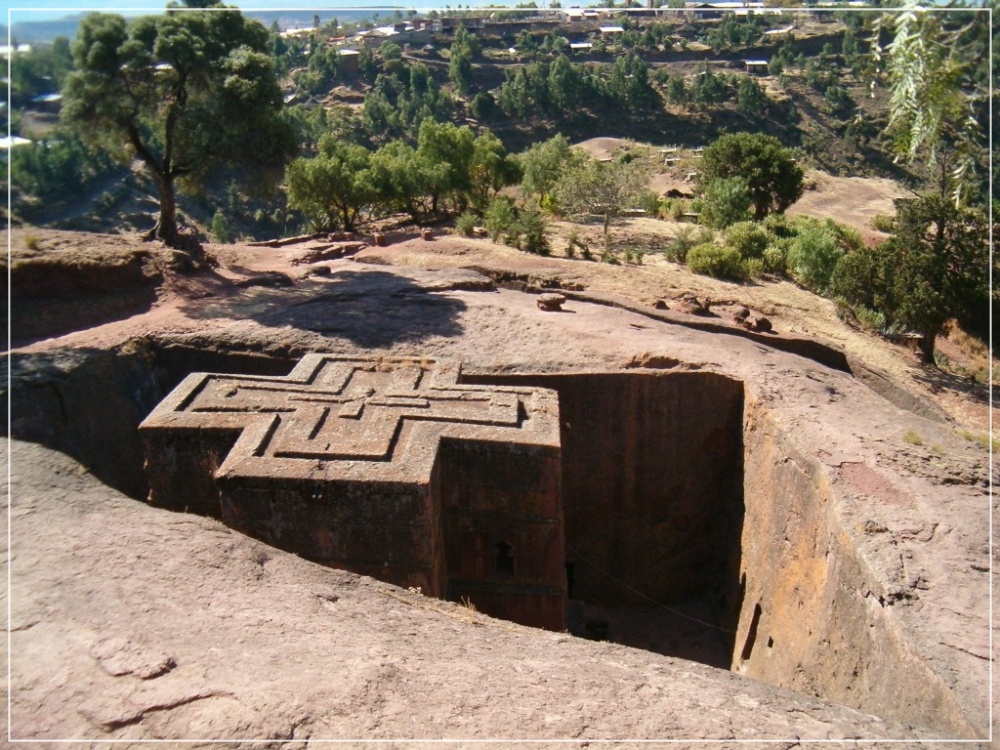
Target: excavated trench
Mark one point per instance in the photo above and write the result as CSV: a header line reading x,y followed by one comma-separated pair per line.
x,y
692,526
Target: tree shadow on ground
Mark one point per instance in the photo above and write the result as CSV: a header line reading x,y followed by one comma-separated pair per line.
x,y
937,379
371,309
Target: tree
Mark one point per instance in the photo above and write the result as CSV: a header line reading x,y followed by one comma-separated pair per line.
x,y
936,67
564,84
933,268
460,70
543,166
771,174
707,87
445,152
464,48
183,93
41,70
490,168
602,188
398,178
750,98
334,187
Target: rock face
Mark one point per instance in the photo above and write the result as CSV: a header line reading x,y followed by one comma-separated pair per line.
x,y
174,627
386,467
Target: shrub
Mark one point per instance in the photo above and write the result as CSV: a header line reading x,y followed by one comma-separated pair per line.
x,y
530,231
220,227
678,209
872,320
465,223
883,223
748,238
649,202
754,267
500,217
678,248
774,258
483,106
31,241
719,262
574,243
779,224
813,256
726,201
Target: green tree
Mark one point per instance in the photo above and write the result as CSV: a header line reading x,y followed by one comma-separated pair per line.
x,y
813,255
41,70
933,268
58,166
676,90
707,88
543,166
483,106
602,188
564,84
390,51
399,179
499,217
220,227
750,98
445,152
490,169
333,188
182,93
771,174
464,48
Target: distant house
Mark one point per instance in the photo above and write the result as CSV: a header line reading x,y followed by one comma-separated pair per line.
x,y
48,102
756,66
298,31
581,46
9,142
349,59
7,50
710,11
610,30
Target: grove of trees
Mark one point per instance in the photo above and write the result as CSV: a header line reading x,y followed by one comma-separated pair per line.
x,y
450,169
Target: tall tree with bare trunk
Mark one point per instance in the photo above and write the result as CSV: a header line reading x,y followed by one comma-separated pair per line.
x,y
184,93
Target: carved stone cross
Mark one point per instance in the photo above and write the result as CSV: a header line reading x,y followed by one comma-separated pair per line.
x,y
386,466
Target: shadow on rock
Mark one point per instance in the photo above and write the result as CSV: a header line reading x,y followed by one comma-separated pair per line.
x,y
371,309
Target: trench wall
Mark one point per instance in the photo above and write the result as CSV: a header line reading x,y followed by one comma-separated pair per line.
x,y
812,619
652,483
